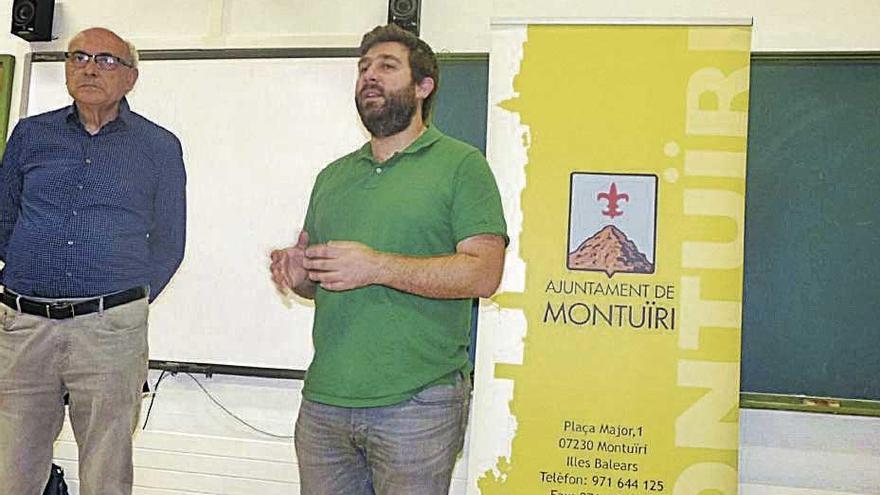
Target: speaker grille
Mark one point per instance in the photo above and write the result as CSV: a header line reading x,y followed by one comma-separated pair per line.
x,y
403,8
404,13
24,13
32,19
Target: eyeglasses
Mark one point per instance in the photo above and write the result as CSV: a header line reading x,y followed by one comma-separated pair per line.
x,y
104,61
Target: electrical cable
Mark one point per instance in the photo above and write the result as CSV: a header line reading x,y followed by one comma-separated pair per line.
x,y
153,398
230,413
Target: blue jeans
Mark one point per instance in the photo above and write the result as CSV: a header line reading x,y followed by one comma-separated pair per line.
x,y
407,448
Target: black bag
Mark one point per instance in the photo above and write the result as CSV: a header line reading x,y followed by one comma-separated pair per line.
x,y
56,484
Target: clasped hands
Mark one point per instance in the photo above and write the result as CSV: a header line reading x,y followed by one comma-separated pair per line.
x,y
335,266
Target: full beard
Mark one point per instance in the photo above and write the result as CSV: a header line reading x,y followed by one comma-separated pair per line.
x,y
393,116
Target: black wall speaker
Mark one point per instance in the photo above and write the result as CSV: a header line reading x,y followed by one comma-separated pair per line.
x,y
32,19
405,13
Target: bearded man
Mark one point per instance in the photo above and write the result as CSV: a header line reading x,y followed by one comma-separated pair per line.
x,y
399,236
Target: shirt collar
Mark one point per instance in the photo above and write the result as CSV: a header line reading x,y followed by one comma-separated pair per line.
x,y
122,119
426,139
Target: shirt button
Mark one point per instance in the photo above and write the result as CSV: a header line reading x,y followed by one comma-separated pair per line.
x,y
70,243
88,160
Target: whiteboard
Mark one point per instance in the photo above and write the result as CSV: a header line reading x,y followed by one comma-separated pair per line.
x,y
255,134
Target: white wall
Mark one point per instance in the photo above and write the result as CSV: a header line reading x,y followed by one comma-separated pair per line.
x,y
808,453
457,25
448,25
192,446
780,25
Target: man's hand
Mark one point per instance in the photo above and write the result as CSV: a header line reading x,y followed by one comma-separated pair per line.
x,y
287,264
343,265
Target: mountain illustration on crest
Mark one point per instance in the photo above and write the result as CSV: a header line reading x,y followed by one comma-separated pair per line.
x,y
610,251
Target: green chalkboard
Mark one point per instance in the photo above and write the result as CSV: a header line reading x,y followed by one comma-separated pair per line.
x,y
811,319
461,107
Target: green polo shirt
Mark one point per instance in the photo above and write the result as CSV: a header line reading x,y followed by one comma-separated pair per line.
x,y
377,346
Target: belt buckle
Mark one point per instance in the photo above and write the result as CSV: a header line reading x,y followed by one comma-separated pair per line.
x,y
59,305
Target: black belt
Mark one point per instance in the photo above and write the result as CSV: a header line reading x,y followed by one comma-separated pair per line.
x,y
59,310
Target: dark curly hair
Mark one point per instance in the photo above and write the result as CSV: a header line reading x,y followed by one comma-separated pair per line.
x,y
422,61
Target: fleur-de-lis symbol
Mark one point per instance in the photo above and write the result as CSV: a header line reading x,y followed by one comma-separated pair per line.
x,y
612,197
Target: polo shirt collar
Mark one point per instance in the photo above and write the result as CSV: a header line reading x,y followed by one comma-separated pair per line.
x,y
429,137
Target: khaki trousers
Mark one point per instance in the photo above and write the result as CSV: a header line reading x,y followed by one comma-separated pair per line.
x,y
100,359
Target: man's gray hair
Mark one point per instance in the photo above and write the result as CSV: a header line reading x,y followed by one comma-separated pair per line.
x,y
132,53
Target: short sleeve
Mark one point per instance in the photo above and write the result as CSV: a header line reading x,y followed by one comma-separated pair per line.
x,y
476,207
309,222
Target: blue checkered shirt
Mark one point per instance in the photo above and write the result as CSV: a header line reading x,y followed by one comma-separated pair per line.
x,y
84,215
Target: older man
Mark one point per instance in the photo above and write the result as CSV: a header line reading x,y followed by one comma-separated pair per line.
x,y
400,235
92,227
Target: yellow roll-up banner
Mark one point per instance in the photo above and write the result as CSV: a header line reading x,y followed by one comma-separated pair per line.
x,y
608,363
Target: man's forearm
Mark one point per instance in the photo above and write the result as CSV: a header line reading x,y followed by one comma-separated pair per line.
x,y
167,249
168,236
474,270
455,276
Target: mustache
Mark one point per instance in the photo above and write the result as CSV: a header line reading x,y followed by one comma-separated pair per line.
x,y
372,87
